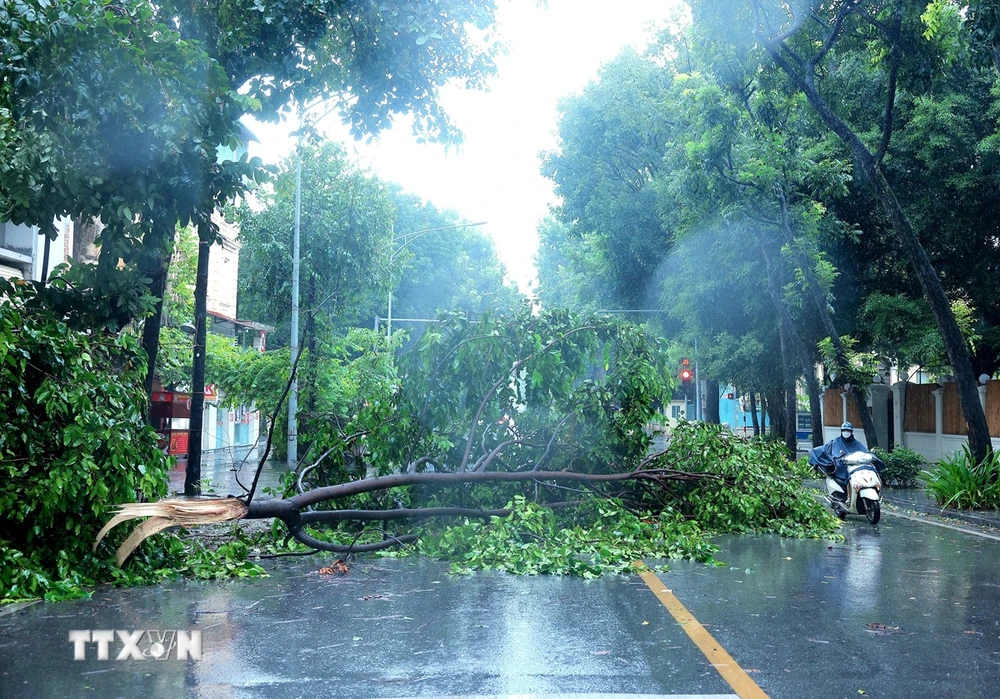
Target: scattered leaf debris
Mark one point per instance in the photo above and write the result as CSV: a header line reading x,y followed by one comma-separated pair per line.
x,y
338,567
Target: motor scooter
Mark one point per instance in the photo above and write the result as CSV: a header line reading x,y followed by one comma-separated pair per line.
x,y
864,488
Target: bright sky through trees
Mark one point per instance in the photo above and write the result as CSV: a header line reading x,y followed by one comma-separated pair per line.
x,y
555,48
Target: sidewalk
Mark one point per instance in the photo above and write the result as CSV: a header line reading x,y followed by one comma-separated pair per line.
x,y
918,500
224,474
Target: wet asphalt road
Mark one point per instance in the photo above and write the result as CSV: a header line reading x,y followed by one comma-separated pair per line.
x,y
902,610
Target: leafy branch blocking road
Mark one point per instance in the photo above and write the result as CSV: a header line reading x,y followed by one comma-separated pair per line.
x,y
743,487
532,430
74,446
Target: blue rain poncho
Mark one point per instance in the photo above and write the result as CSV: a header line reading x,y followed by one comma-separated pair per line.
x,y
827,458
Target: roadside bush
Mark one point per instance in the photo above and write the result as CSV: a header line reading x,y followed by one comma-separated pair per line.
x,y
801,469
757,494
959,482
902,466
73,444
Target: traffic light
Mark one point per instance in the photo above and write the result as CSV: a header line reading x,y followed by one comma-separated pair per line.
x,y
686,372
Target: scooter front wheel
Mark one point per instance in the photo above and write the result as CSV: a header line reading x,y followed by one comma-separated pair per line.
x,y
873,511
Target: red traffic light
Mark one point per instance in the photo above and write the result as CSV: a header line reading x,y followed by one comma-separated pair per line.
x,y
686,375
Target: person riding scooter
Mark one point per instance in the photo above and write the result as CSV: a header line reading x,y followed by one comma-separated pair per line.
x,y
828,458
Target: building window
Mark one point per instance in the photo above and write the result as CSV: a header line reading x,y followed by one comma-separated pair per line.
x,y
675,412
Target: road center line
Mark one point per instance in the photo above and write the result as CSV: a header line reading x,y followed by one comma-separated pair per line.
x,y
724,664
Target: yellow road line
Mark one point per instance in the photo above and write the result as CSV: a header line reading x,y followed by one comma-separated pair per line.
x,y
730,670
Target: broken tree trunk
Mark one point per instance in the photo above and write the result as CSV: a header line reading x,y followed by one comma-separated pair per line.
x,y
290,511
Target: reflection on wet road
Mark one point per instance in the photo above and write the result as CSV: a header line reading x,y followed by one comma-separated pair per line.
x,y
902,610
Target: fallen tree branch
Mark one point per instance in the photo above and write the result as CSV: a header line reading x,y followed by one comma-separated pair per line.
x,y
290,510
383,515
315,543
168,513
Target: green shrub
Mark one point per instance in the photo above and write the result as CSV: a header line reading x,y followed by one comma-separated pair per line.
x,y
902,466
757,494
801,469
959,482
74,444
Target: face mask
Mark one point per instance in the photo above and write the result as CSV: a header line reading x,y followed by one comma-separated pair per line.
x,y
846,435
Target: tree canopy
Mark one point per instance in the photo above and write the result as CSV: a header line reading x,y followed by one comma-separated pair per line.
x,y
761,155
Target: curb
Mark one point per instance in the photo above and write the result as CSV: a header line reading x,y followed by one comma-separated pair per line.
x,y
991,520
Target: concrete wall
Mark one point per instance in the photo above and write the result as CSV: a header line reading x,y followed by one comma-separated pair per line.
x,y
932,445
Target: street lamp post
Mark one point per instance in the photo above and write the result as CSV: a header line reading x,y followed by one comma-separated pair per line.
x,y
406,239
293,392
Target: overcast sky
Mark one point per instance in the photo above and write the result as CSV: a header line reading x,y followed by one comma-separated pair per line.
x,y
555,49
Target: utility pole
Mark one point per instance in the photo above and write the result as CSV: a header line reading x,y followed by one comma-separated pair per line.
x,y
697,384
293,393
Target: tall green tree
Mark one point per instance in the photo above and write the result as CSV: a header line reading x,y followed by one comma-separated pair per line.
x,y
452,269
568,266
115,111
372,59
105,113
805,51
346,222
611,142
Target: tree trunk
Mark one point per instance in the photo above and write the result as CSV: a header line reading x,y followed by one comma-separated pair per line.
x,y
799,347
753,414
819,301
776,407
156,268
712,401
192,476
790,406
951,335
765,414
45,262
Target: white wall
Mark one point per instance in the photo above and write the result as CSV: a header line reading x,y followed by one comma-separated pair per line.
x,y
934,447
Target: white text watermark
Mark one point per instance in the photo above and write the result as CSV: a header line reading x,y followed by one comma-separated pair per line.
x,y
144,644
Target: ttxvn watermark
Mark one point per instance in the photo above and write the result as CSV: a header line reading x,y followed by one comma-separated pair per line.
x,y
143,644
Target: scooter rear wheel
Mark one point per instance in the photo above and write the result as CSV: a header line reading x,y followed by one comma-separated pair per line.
x,y
873,511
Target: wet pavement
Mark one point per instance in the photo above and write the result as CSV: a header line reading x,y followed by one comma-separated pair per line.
x,y
904,609
392,628
229,472
900,610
